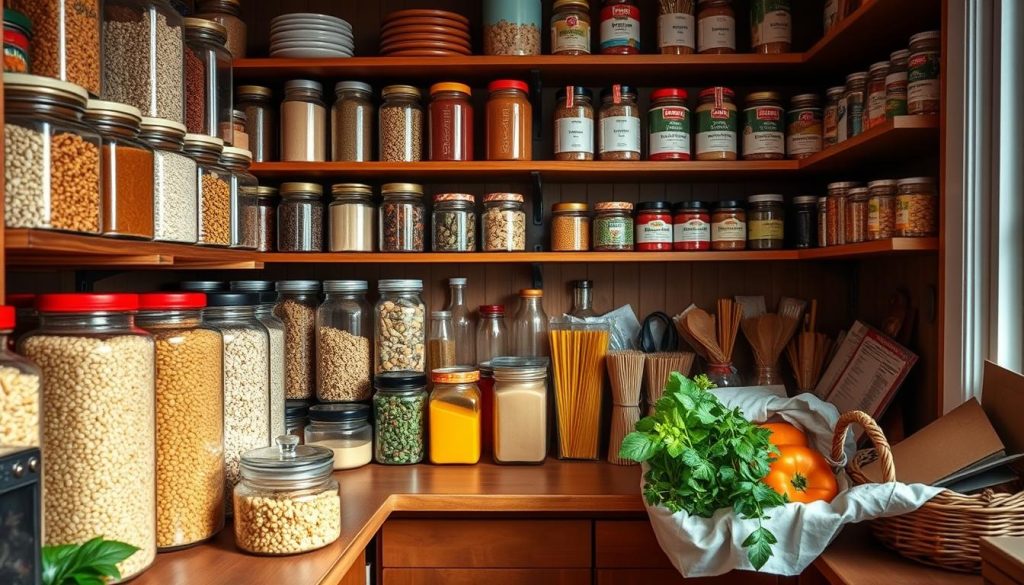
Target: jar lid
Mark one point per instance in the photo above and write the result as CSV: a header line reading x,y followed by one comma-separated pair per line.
x,y
202,24
86,302
296,408
406,90
266,191
345,286
583,283
623,90
519,369
440,314
689,205
563,3
764,96
859,193
252,285
410,188
399,284
236,155
531,293
342,189
653,205
511,197
458,281
339,412
577,90
805,199
7,314
32,87
287,461
927,35
253,90
22,300
300,189
508,84
232,299
298,286
843,185
729,203
822,200
856,77
494,310
304,84
19,20
765,198
710,92
835,91
805,99
169,301
916,181
455,375
164,126
200,286
392,381
450,86
669,92
557,207
876,67
882,183
353,86
900,55
613,206
203,142
103,109
441,197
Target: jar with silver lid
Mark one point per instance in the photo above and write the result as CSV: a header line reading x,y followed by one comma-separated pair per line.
x,y
400,327
352,122
351,218
454,221
208,79
300,218
264,313
303,122
213,189
260,120
297,302
765,222
174,182
244,228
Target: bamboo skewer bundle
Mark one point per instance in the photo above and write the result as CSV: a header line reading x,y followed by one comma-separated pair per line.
x,y
657,367
676,6
578,362
626,372
808,351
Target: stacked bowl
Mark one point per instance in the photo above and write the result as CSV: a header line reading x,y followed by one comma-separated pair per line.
x,y
425,33
307,35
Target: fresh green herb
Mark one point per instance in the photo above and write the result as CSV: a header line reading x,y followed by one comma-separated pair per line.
x,y
703,457
90,563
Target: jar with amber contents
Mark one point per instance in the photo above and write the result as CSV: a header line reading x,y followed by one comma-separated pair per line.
x,y
717,122
881,209
677,28
856,224
716,27
765,221
574,124
917,207
836,211
570,27
570,227
509,121
803,126
830,123
771,26
874,111
451,122
764,131
729,226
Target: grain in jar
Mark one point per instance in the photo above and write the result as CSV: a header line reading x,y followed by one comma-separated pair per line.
x,y
352,122
917,207
174,182
613,226
454,223
266,218
804,126
401,124
717,123
260,120
570,227
716,27
923,73
345,430
300,218
764,132
854,99
19,385
691,226
402,218
244,228
729,226
838,193
765,222
881,209
574,124
677,27
771,26
503,223
830,121
856,220
451,122
66,40
303,122
620,27
822,222
399,327
127,170
208,79
653,229
619,131
344,343
213,188
264,313
896,84
226,13
297,303
239,134
570,27
351,218
509,121
874,111
512,27
668,125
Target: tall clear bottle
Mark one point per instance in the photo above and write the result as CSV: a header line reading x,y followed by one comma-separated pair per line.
x,y
530,326
492,339
581,299
463,327
441,341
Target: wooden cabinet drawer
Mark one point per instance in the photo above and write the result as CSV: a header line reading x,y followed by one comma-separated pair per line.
x,y
627,544
672,577
488,576
486,543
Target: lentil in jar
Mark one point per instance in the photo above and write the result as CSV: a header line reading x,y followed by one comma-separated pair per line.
x,y
352,122
401,124
917,207
570,227
691,226
574,124
729,226
654,227
613,226
804,126
66,41
838,193
619,134
717,122
126,169
764,135
668,125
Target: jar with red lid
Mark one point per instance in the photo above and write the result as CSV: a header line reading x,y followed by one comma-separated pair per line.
x,y
654,227
451,122
620,27
668,125
691,226
509,121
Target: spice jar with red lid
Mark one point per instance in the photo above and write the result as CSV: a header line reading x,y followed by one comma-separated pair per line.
x,y
653,226
668,125
691,223
620,27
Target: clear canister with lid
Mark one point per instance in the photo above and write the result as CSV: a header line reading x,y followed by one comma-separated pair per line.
x,y
613,226
570,227
509,121
917,207
923,67
296,417
717,125
764,131
668,125
570,27
520,410
512,27
451,122
836,204
175,218
208,101
574,124
351,218
854,99
401,124
297,303
771,27
677,28
454,415
875,102
126,168
266,218
835,107
400,415
352,122
213,189
227,13
618,136
264,313
804,126
881,209
856,221
344,429
896,84
454,223
287,480
400,327
300,218
402,218
503,222
256,102
66,40
20,413
244,186
303,122
344,343
765,222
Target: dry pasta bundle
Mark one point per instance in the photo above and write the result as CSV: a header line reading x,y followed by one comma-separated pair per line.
x,y
577,357
658,366
626,372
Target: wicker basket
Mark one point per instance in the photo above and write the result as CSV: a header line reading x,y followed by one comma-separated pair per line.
x,y
945,532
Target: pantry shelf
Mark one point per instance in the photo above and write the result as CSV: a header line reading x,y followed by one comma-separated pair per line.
x,y
876,248
903,136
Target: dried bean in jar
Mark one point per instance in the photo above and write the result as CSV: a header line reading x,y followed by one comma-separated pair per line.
x,y
65,40
399,407
300,218
504,223
402,216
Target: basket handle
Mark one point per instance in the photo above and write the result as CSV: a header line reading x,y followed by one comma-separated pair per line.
x,y
874,433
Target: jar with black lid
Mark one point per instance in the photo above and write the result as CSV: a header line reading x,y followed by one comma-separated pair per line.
x,y
729,226
653,232
399,411
803,212
765,222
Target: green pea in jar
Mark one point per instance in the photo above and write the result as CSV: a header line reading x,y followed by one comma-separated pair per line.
x,y
613,226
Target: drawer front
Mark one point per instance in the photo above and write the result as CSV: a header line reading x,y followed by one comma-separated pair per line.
x,y
672,577
486,543
486,576
627,544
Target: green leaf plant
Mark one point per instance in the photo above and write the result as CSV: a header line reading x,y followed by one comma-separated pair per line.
x,y
90,563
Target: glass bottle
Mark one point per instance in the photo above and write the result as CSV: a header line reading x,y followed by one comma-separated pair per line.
x,y
530,325
345,430
440,341
399,412
509,121
344,342
463,327
581,299
455,416
208,80
303,122
491,334
19,413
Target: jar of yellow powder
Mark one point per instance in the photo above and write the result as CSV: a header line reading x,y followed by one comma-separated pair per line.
x,y
454,415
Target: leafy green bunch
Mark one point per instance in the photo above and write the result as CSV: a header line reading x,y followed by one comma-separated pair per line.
x,y
703,457
90,563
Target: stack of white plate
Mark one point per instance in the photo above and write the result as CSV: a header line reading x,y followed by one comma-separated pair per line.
x,y
307,35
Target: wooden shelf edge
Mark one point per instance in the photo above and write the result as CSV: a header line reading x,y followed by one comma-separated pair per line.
x,y
875,248
915,130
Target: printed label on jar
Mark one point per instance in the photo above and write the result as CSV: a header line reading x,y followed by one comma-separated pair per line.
x,y
716,32
876,107
923,77
874,216
896,94
669,128
804,131
729,230
574,135
620,134
916,214
842,131
770,22
656,231
676,30
766,229
762,131
620,27
692,230
716,131
570,34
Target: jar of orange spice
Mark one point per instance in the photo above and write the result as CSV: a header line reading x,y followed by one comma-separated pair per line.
x,y
570,227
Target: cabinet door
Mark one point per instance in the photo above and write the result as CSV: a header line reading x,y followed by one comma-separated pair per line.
x,y
672,577
486,576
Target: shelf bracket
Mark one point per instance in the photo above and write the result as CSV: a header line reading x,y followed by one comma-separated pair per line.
x,y
538,197
537,103
85,280
538,275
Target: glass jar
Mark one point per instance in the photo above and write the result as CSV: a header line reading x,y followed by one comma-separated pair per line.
x,y
226,13
677,28
520,410
244,227
856,224
503,223
143,51
401,124
92,356
717,124
440,341
570,27
822,222
619,134
463,326
454,223
52,160
66,40
836,206
804,126
570,227
239,136
189,418
834,105
582,305
764,133
613,226
723,375
653,226
264,313
509,121
455,416
917,207
765,222
303,122
255,101
691,227
290,481
854,99
923,67
203,286
530,326
729,226
300,218
344,333
175,218
399,327
668,125
620,27
451,122
297,304
350,218
401,224
896,84
26,319
716,27
296,417
574,124
20,413
345,430
771,27
352,122
266,218
803,232
881,209
399,413
492,339
208,103
512,27
17,42
874,112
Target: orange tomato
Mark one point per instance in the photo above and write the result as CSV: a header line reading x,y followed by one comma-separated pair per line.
x,y
802,474
785,434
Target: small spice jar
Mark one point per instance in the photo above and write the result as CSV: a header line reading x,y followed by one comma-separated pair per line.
x,y
766,222
917,207
677,28
613,226
17,42
455,416
691,226
574,124
854,99
771,26
352,122
300,218
619,133
344,343
243,197
803,213
570,227
303,122
208,95
923,73
838,193
350,218
174,182
856,221
266,218
454,222
401,124
804,126
729,226
620,27
570,27
668,125
512,27
822,222
451,122
399,411
830,128
345,430
239,136
287,502
504,223
255,102
882,209
509,121
402,218
296,417
764,133
896,84
717,123
716,27
874,112
654,226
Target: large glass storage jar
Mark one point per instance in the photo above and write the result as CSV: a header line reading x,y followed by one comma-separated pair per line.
x,y
296,306
51,159
189,418
923,88
520,410
244,227
351,218
613,226
677,27
530,326
226,12
399,413
99,440
512,27
917,207
344,334
771,27
208,103
503,223
20,413
264,313
454,416
143,52
835,206
213,188
570,27
509,121
454,223
175,218
266,218
764,131
401,224
126,168
255,101
399,327
401,124
352,122
765,222
300,218
856,225
287,481
574,124
881,209
345,430
570,227
492,338
716,27
451,122
303,122
65,40
618,135
717,125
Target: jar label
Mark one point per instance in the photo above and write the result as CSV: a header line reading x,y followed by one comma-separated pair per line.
x,y
571,33
874,215
896,94
620,27
716,32
676,30
842,130
692,230
854,114
766,229
923,77
830,123
656,231
729,229
762,131
876,107
716,134
669,130
574,135
804,131
916,213
613,232
770,22
620,134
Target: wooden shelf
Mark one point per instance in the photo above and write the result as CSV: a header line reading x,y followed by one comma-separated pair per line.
x,y
876,248
902,137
